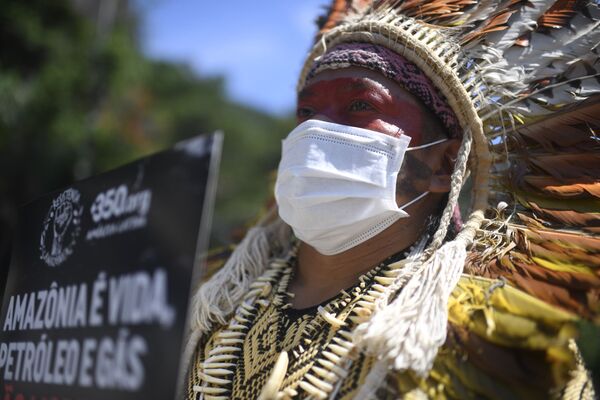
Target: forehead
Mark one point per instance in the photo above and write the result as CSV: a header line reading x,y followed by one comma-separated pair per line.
x,y
353,78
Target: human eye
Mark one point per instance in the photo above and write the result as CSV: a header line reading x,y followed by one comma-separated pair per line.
x,y
360,106
304,112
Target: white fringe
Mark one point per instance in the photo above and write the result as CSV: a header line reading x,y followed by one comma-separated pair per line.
x,y
217,298
407,333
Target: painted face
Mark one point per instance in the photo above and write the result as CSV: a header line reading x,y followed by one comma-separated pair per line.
x,y
362,98
366,99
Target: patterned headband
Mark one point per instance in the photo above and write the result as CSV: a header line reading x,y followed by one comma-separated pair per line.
x,y
393,66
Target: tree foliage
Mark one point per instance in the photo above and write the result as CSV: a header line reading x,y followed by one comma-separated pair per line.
x,y
78,98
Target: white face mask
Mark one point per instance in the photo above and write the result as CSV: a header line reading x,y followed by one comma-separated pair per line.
x,y
336,184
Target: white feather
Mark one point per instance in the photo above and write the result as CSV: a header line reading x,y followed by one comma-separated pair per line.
x,y
522,21
546,50
482,11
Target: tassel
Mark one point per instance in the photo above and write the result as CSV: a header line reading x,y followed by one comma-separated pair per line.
x,y
217,298
409,331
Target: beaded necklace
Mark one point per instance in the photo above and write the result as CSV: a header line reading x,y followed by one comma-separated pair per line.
x,y
263,308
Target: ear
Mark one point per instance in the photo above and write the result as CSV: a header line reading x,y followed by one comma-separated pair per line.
x,y
442,177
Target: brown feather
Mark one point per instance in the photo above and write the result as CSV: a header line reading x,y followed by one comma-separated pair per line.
x,y
532,223
335,13
566,290
558,254
561,296
430,10
565,128
560,188
569,218
338,11
510,367
588,243
558,15
559,250
498,22
568,165
523,40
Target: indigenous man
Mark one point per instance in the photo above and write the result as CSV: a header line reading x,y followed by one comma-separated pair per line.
x,y
347,292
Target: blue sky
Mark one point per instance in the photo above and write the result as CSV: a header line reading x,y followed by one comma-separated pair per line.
x,y
259,46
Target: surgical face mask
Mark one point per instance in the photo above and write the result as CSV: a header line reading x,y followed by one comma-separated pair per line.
x,y
336,184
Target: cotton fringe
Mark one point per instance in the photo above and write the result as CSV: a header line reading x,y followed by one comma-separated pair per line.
x,y
217,298
407,333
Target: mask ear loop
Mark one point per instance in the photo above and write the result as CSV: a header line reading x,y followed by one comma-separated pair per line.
x,y
419,197
424,146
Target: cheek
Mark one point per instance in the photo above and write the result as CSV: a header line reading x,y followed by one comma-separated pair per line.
x,y
410,119
407,119
413,178
383,126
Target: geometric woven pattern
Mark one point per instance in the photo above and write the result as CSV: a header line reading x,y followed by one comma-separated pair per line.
x,y
303,334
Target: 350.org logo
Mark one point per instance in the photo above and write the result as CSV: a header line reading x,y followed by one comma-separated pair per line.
x,y
118,201
62,226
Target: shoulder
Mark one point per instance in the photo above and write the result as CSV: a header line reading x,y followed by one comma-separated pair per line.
x,y
502,343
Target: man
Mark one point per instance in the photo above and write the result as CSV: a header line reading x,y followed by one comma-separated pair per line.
x,y
356,303
366,99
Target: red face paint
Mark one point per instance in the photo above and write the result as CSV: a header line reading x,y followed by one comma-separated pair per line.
x,y
362,99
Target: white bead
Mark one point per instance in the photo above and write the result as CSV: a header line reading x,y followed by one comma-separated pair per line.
x,y
212,379
313,391
319,383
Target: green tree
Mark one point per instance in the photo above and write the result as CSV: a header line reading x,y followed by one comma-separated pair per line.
x,y
78,97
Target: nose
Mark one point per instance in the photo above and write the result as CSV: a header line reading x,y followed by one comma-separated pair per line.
x,y
325,117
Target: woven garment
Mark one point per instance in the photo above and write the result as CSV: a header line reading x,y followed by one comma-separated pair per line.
x,y
304,334
466,367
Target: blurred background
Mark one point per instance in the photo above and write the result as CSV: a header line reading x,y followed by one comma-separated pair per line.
x,y
88,85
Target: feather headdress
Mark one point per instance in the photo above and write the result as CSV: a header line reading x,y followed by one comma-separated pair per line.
x,y
523,78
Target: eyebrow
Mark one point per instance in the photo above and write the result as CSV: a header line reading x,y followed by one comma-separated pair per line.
x,y
355,84
304,93
362,84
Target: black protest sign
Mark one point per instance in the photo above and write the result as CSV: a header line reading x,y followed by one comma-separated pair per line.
x,y
96,298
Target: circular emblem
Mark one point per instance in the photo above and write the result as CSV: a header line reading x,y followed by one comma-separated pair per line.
x,y
62,226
